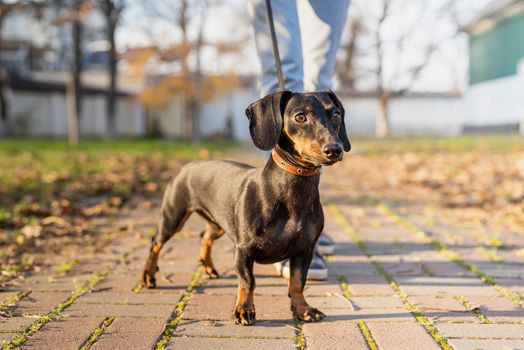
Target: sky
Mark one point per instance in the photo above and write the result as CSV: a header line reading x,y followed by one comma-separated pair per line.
x,y
423,19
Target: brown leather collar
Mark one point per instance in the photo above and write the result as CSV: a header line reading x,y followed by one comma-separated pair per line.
x,y
295,170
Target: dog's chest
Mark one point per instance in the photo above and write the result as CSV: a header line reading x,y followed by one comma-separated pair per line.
x,y
288,235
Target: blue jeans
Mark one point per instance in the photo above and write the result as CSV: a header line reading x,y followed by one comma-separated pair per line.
x,y
308,34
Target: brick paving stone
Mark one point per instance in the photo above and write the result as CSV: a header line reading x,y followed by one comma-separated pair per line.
x,y
129,298
441,268
320,288
333,335
56,284
63,333
444,308
40,302
118,283
516,285
400,336
498,309
486,344
505,270
376,302
131,333
368,285
351,268
444,286
229,344
369,315
229,329
152,310
460,330
404,269
220,307
331,302
227,284
6,337
4,295
14,324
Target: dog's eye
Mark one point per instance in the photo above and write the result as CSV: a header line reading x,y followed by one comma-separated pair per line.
x,y
336,117
300,118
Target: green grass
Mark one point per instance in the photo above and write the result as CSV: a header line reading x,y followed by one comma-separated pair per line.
x,y
428,145
97,333
139,146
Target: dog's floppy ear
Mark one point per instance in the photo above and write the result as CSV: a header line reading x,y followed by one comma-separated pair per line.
x,y
342,135
266,119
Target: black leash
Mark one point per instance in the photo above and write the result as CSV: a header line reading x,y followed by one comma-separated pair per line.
x,y
278,63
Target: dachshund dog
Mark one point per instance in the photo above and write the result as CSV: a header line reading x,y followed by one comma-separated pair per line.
x,y
271,213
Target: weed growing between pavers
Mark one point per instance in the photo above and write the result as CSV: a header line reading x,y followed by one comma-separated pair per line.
x,y
419,316
462,299
366,333
344,286
77,293
45,319
300,339
174,320
97,333
65,267
11,301
449,253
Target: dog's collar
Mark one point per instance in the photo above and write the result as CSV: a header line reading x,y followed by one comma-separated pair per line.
x,y
293,169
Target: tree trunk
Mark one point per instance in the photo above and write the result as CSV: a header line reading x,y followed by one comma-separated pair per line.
x,y
4,83
77,59
111,93
72,116
383,116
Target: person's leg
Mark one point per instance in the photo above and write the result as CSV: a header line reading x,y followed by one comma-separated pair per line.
x,y
289,44
321,25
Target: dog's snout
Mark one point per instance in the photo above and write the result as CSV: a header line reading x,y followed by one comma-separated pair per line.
x,y
333,151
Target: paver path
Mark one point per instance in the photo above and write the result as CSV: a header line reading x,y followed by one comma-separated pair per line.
x,y
399,279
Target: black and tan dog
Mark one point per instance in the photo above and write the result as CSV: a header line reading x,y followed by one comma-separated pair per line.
x,y
271,213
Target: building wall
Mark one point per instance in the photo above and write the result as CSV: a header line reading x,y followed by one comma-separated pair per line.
x,y
496,102
496,53
45,115
409,115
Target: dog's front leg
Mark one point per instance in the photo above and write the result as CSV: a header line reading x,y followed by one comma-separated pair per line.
x,y
299,266
244,312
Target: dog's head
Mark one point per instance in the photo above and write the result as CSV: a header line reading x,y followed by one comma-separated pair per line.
x,y
309,125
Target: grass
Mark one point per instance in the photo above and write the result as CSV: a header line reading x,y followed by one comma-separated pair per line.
x,y
11,301
429,145
97,333
372,345
137,146
462,299
65,267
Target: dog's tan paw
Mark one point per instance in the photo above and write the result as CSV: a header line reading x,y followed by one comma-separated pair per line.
x,y
309,314
244,316
211,272
148,280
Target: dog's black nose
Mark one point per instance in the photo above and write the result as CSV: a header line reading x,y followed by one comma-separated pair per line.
x,y
333,151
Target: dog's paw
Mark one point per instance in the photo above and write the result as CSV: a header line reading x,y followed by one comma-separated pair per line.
x,y
309,314
244,316
148,280
211,272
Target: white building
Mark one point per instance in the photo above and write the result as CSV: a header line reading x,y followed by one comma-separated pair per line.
x,y
494,100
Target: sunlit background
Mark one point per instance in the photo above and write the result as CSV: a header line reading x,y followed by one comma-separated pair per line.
x,y
185,70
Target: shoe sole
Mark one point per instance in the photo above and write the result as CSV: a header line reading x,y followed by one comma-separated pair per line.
x,y
325,250
312,275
